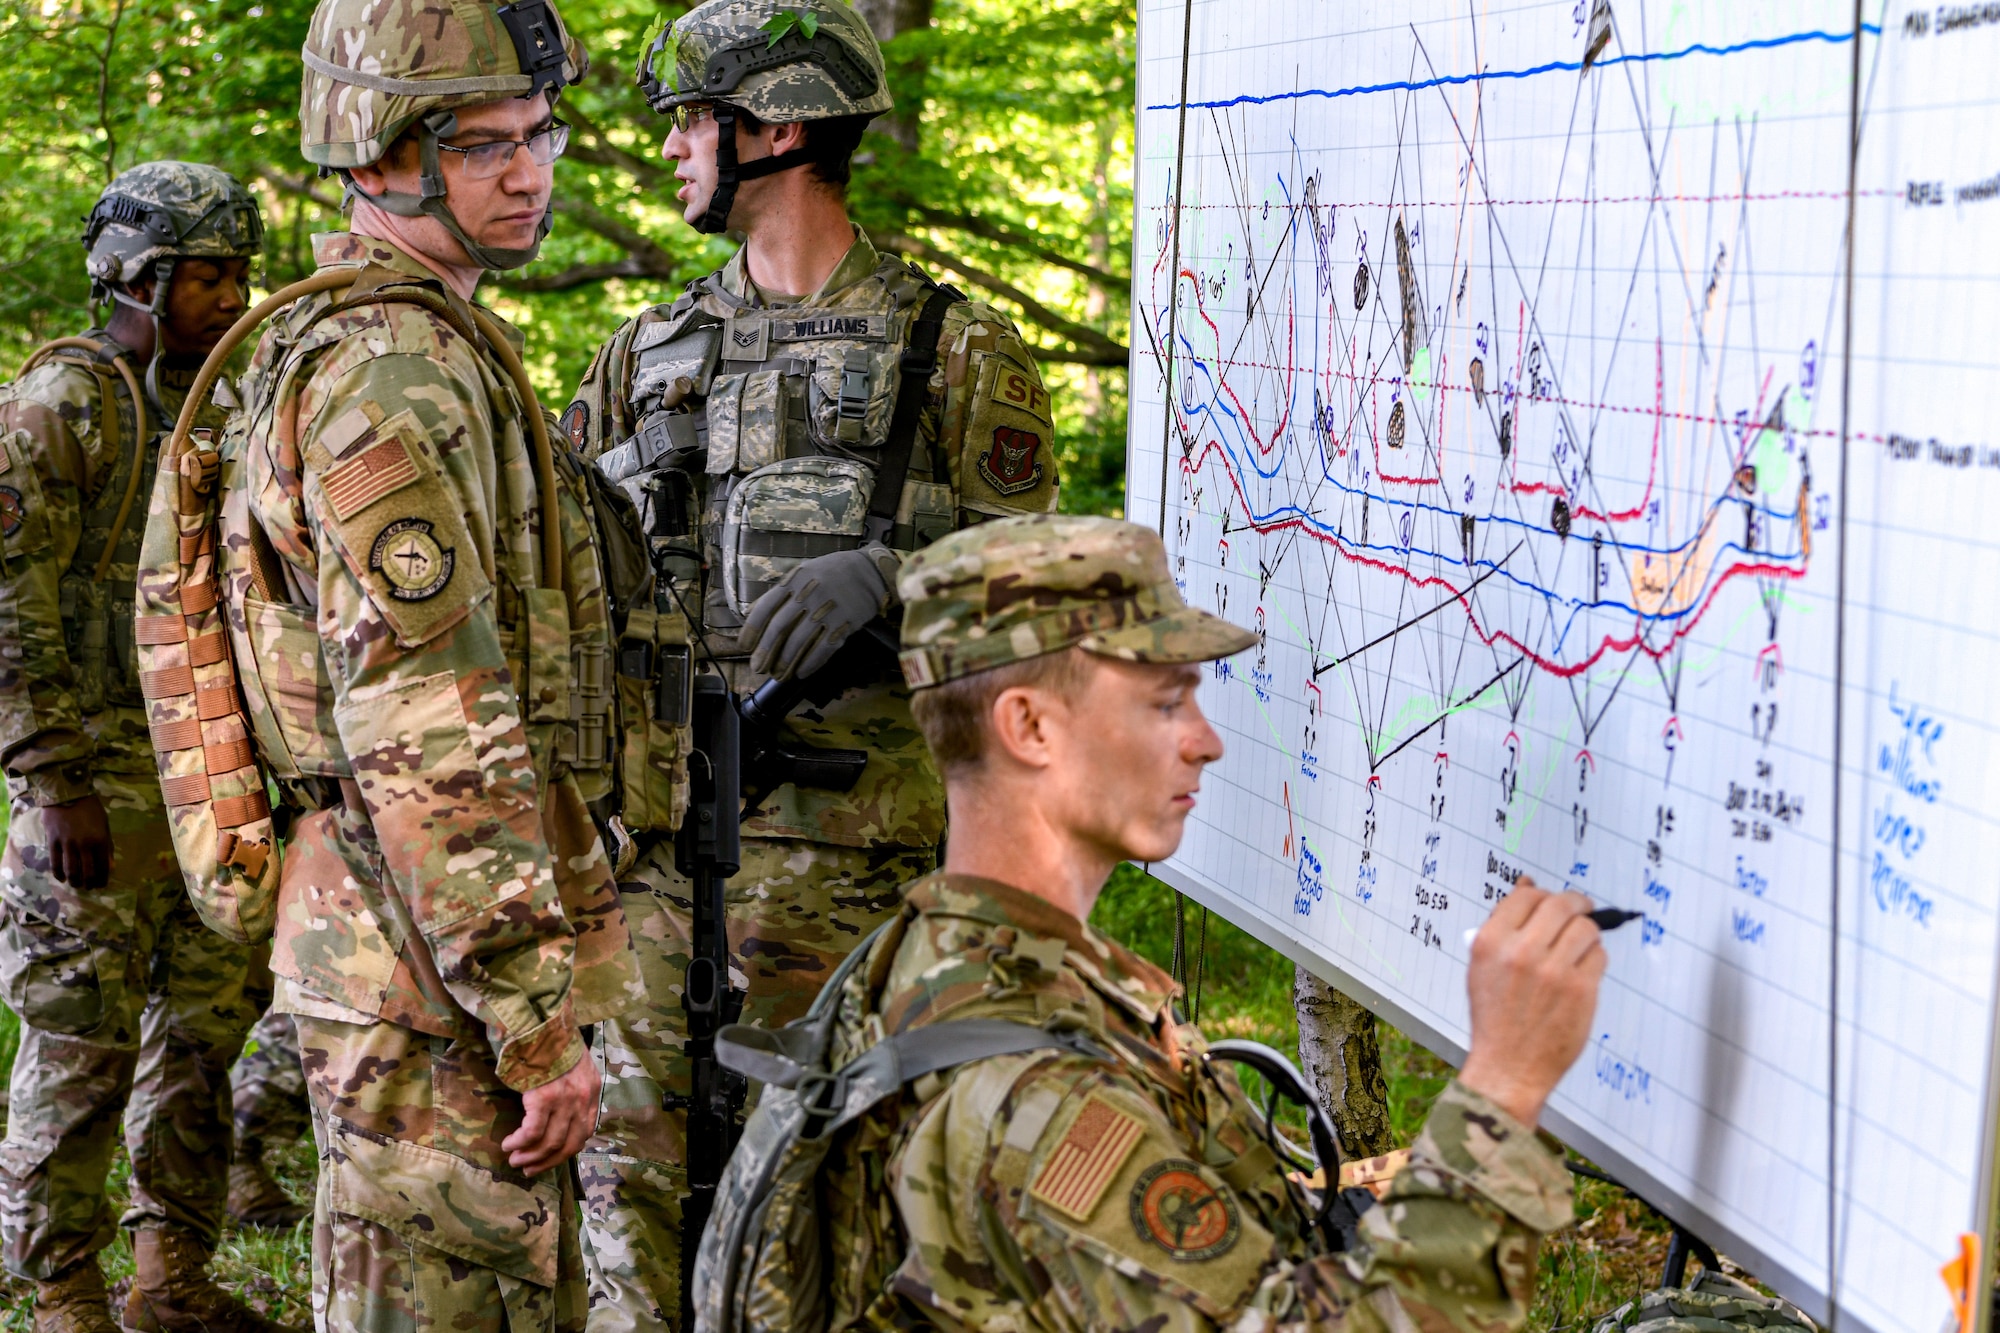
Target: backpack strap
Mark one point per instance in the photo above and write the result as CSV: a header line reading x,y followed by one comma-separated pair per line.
x,y
836,1098
95,365
913,386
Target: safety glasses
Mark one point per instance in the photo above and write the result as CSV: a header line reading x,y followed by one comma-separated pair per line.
x,y
687,115
483,161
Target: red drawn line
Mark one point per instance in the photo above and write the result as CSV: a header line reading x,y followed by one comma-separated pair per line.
x,y
1608,645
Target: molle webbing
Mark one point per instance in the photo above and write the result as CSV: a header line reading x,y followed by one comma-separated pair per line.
x,y
217,806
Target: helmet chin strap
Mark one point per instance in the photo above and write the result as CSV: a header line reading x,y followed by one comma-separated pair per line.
x,y
431,201
156,309
729,172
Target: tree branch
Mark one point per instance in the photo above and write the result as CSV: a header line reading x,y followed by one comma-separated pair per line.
x,y
593,147
1093,348
646,255
993,231
302,186
1115,357
578,275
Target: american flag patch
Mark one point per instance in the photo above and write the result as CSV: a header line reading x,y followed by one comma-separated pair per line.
x,y
368,476
1083,1165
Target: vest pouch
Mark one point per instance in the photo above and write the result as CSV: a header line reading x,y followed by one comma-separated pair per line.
x,y
852,394
752,418
654,675
927,512
551,668
786,513
288,693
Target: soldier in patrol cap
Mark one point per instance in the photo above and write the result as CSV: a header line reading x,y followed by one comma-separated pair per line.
x,y
1132,1188
790,427
419,628
128,1004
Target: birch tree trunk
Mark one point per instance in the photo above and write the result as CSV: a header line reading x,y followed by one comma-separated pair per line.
x,y
1338,1046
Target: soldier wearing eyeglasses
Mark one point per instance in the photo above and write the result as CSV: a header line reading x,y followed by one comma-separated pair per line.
x,y
417,580
790,427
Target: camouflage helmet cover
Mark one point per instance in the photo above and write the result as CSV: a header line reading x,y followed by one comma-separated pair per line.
x,y
1017,588
374,67
780,60
161,210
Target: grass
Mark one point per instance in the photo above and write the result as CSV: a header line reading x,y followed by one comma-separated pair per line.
x,y
1614,1250
270,1271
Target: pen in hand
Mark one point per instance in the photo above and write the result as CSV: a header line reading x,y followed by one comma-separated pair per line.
x,y
1604,918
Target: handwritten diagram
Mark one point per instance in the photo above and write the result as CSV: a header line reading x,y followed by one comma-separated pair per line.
x,y
1603,518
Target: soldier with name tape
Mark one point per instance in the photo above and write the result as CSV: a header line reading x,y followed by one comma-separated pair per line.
x,y
129,1005
790,426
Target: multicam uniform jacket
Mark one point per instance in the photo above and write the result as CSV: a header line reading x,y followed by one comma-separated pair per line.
x,y
1051,1192
443,712
69,683
775,418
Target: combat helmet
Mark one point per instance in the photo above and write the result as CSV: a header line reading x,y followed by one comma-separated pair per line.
x,y
783,61
375,68
158,213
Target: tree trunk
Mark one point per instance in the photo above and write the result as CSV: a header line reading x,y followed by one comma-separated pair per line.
x,y
888,18
1338,1047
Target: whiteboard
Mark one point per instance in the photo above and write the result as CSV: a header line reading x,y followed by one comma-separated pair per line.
x,y
1606,516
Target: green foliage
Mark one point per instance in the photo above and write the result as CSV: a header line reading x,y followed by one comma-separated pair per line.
x,y
785,20
1006,169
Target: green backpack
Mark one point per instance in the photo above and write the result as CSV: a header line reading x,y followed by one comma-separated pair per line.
x,y
1712,1303
759,1269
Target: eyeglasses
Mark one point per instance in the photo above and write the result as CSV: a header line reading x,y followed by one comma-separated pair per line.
x,y
686,116
486,160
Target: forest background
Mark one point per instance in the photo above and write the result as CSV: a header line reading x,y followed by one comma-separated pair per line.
x,y
1005,169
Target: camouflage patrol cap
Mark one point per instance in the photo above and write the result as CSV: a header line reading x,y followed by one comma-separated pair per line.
x,y
780,60
1021,587
375,67
1712,1303
161,210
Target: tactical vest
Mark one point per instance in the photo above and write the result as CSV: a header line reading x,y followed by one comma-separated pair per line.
x,y
96,603
243,698
765,437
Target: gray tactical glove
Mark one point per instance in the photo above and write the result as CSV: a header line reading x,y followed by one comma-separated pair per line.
x,y
797,627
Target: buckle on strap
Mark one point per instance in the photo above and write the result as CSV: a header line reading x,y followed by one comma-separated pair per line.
x,y
822,1096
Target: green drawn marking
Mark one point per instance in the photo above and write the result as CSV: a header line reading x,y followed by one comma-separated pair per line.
x,y
1420,374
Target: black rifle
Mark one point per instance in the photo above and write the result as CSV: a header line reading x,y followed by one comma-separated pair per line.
x,y
740,754
708,850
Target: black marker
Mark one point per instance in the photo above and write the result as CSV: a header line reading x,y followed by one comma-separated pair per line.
x,y
1604,918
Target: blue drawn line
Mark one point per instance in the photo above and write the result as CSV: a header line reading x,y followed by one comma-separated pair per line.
x,y
1553,67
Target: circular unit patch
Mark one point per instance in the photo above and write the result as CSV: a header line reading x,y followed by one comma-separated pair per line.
x,y
416,564
11,512
1176,1209
575,423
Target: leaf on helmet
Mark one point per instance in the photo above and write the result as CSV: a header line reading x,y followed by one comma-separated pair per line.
x,y
784,21
661,31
